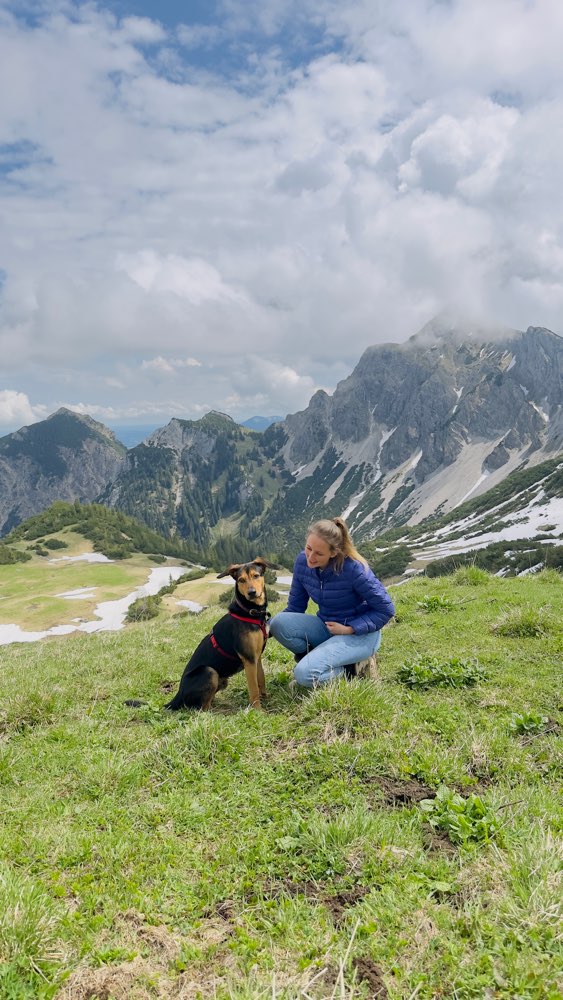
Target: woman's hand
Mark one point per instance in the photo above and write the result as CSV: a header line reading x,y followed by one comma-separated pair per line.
x,y
335,628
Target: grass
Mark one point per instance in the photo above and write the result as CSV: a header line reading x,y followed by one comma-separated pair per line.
x,y
366,839
524,622
29,598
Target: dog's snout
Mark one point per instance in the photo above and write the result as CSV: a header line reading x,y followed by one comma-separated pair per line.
x,y
252,591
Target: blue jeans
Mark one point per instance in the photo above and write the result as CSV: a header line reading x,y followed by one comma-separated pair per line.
x,y
327,654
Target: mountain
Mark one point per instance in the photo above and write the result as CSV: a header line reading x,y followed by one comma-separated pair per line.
x,y
196,478
415,431
66,457
418,428
513,528
260,423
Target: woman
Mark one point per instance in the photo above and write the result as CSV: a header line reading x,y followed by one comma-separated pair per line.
x,y
353,607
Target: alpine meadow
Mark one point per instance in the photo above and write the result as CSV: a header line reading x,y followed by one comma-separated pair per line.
x,y
397,837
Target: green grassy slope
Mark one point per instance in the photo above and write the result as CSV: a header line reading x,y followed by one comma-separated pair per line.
x,y
285,854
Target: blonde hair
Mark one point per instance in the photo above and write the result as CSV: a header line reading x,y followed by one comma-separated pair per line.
x,y
335,533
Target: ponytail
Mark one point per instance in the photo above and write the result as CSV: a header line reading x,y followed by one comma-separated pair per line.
x,y
335,533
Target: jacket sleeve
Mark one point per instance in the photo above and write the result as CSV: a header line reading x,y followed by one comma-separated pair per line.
x,y
298,597
378,608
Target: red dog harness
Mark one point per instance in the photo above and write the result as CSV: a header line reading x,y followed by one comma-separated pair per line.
x,y
252,621
217,647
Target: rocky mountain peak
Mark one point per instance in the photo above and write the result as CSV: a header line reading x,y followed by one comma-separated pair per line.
x,y
68,456
424,423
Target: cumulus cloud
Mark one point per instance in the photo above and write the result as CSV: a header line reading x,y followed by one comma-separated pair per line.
x,y
168,366
291,181
16,409
261,384
194,279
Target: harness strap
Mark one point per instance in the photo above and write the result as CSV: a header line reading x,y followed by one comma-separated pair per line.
x,y
218,649
253,621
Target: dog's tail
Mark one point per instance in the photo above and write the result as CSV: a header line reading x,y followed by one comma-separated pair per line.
x,y
176,703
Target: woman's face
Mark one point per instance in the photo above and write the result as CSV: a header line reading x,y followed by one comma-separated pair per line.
x,y
317,552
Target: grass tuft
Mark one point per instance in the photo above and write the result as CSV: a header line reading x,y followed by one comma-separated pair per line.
x,y
525,622
550,576
470,576
26,710
28,926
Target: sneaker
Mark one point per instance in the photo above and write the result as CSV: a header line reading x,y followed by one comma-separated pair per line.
x,y
367,669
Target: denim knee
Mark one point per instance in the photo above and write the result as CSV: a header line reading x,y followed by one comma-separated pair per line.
x,y
275,627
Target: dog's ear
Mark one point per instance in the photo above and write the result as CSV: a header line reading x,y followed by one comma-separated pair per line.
x,y
231,571
262,564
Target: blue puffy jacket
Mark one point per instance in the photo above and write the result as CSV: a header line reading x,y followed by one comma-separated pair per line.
x,y
352,597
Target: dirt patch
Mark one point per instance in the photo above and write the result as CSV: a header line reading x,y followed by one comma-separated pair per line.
x,y
337,903
437,840
311,890
343,901
218,925
404,793
368,972
127,981
156,938
214,932
225,909
149,977
168,686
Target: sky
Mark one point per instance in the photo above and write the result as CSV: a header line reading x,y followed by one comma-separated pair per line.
x,y
219,204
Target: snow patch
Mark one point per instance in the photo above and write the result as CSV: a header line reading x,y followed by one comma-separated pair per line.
x,y
539,410
191,606
530,520
110,614
90,557
485,475
354,501
84,594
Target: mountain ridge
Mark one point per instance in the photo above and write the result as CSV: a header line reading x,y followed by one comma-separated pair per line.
x,y
412,432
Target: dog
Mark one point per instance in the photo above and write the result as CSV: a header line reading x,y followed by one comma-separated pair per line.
x,y
236,642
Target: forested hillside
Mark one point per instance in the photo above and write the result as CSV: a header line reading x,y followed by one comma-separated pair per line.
x,y
110,531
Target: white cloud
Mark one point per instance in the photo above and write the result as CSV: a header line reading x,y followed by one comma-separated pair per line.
x,y
142,29
16,409
334,187
193,279
168,366
262,385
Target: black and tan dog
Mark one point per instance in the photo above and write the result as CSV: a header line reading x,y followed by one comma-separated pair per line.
x,y
236,642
